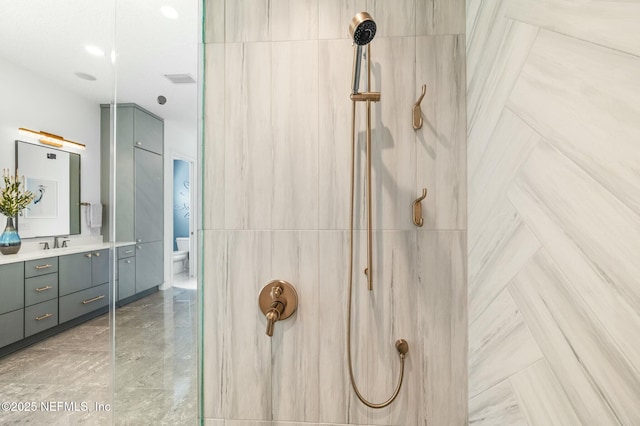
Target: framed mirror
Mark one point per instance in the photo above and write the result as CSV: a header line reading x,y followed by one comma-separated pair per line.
x,y
53,176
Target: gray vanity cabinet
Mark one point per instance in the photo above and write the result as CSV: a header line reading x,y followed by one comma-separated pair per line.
x,y
126,282
148,131
11,287
139,215
83,270
11,303
149,218
149,265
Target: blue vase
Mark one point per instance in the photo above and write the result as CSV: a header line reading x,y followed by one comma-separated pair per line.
x,y
10,240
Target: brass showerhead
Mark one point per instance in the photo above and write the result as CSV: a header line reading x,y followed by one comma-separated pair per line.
x,y
362,29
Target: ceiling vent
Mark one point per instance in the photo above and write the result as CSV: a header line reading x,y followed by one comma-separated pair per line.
x,y
180,78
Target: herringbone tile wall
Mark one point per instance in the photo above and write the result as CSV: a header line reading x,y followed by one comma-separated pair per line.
x,y
553,95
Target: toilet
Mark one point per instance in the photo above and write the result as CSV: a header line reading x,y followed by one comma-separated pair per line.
x,y
181,256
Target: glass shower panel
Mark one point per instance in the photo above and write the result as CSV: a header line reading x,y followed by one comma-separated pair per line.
x,y
156,291
56,68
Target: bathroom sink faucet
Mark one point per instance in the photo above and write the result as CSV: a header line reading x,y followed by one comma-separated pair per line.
x,y
56,242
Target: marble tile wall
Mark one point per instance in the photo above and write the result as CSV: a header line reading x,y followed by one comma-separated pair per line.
x,y
554,207
276,206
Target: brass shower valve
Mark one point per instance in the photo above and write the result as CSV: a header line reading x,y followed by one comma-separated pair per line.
x,y
278,300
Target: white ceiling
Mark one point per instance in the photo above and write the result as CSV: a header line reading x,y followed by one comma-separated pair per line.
x,y
49,38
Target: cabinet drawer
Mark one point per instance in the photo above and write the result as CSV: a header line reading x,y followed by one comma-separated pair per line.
x,y
11,287
83,302
33,268
40,289
39,317
11,327
126,251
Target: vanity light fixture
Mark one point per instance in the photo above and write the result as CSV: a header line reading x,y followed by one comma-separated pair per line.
x,y
50,139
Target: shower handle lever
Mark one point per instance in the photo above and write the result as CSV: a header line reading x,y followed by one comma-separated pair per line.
x,y
278,300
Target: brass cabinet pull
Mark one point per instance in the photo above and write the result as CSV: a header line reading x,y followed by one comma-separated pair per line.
x,y
127,261
44,266
44,288
138,143
86,302
128,251
45,316
88,255
97,254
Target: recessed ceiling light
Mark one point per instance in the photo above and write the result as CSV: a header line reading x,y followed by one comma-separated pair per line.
x,y
169,12
85,76
94,50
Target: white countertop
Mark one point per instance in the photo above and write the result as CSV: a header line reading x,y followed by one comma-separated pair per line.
x,y
23,256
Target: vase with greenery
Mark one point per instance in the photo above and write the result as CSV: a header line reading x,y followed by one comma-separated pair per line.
x,y
13,199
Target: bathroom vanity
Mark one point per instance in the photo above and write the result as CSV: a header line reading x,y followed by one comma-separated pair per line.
x,y
139,188
47,291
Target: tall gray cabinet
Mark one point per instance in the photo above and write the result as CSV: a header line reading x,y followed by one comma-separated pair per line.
x,y
139,190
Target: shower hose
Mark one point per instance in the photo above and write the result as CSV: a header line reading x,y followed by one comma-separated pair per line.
x,y
401,345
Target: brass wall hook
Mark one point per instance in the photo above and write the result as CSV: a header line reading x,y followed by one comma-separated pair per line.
x,y
417,111
417,209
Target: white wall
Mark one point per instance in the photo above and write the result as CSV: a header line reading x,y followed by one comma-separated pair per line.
x,y
31,101
554,207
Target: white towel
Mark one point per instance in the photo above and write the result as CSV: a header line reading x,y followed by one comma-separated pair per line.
x,y
94,215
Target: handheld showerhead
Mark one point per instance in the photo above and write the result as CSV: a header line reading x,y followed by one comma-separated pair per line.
x,y
362,30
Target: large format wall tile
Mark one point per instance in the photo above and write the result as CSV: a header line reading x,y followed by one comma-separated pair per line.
x,y
500,345
393,139
248,152
394,18
334,145
593,91
496,406
280,157
295,135
599,381
294,19
442,277
440,17
541,397
590,245
605,23
214,259
441,143
214,21
332,360
552,163
247,20
247,368
214,113
335,16
487,92
295,342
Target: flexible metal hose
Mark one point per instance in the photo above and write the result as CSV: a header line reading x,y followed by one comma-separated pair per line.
x,y
351,218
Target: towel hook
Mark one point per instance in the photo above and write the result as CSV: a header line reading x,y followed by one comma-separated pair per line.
x,y
417,111
417,209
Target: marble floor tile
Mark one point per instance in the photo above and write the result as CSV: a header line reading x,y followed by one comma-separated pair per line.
x,y
155,380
